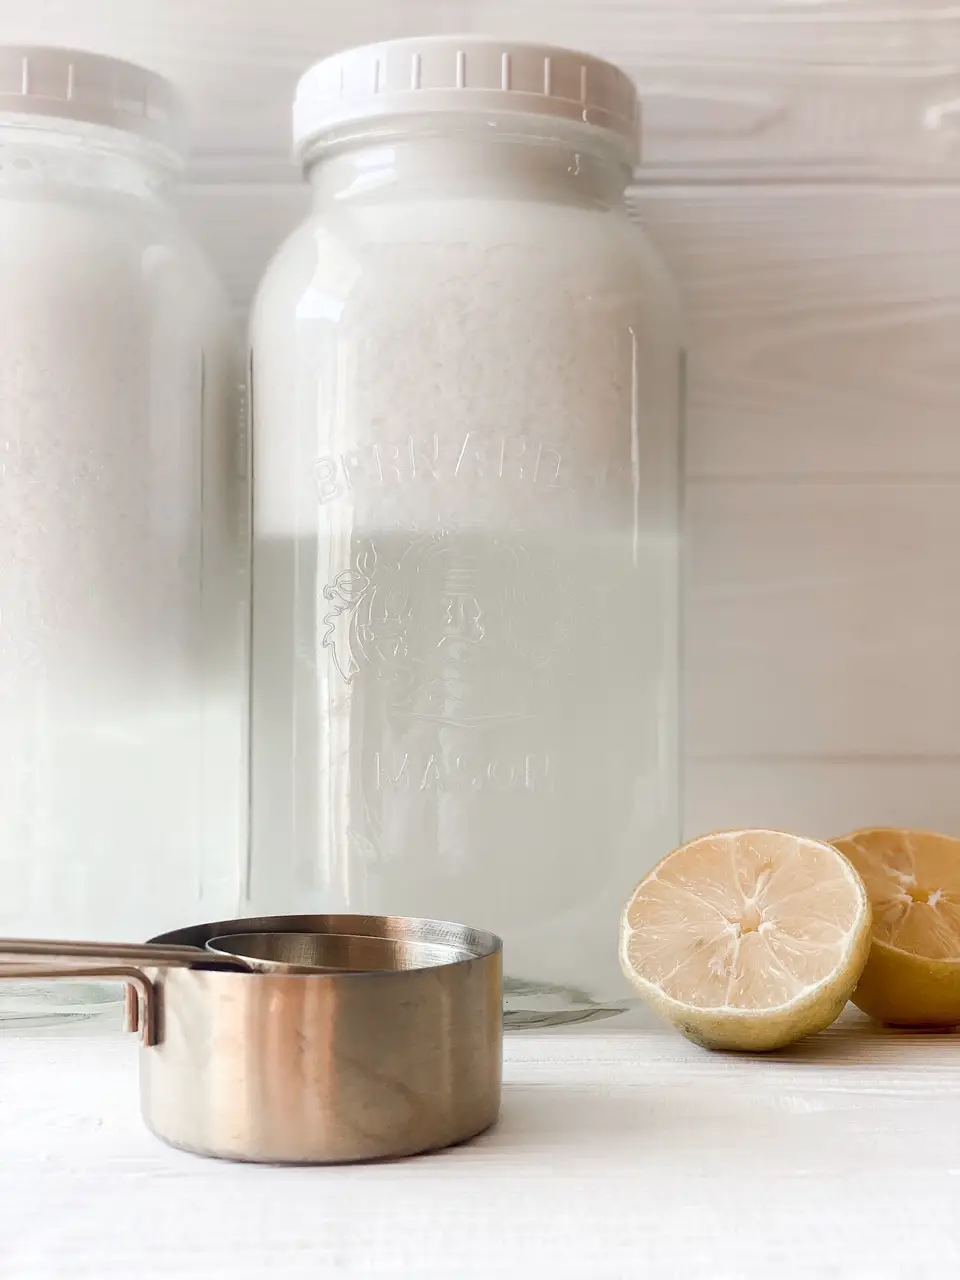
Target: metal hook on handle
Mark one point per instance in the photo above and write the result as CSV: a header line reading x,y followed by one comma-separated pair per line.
x,y
45,960
141,995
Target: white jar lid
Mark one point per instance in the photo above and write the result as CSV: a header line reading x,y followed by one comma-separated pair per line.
x,y
87,88
465,74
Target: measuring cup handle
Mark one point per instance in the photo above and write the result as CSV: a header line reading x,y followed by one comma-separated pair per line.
x,y
141,1000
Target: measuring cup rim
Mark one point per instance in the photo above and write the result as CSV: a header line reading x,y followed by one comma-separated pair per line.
x,y
447,954
472,944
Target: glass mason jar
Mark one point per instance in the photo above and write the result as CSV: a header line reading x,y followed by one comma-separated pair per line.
x,y
466,385
121,524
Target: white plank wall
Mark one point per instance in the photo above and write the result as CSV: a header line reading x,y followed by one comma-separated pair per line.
x,y
801,175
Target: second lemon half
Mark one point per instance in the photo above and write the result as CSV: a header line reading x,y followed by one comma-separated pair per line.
x,y
912,978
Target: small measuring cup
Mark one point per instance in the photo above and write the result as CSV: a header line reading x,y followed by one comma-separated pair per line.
x,y
277,952
262,951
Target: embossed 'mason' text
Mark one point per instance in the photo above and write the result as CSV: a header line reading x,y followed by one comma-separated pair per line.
x,y
427,459
404,772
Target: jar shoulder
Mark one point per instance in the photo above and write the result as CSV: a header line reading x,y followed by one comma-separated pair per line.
x,y
99,232
329,263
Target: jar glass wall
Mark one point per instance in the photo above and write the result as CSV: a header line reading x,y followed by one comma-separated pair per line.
x,y
466,390
122,558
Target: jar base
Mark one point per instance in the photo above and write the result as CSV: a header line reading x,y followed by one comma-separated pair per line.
x,y
26,1005
528,1005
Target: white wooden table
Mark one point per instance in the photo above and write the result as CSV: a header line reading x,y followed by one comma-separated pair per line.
x,y
620,1154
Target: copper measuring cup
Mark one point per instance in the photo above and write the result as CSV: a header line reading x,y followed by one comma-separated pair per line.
x,y
394,1049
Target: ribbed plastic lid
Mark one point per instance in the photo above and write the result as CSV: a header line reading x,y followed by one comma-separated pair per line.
x,y
69,85
465,74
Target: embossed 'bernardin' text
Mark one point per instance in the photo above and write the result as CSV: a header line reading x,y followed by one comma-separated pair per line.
x,y
428,459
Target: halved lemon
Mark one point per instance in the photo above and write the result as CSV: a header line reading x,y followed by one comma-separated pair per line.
x,y
912,978
747,939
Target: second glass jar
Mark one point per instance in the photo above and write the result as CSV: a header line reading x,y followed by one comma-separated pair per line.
x,y
466,388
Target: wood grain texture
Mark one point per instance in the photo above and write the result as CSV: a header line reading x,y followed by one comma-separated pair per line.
x,y
823,619
814,89
617,1156
821,89
824,327
823,796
